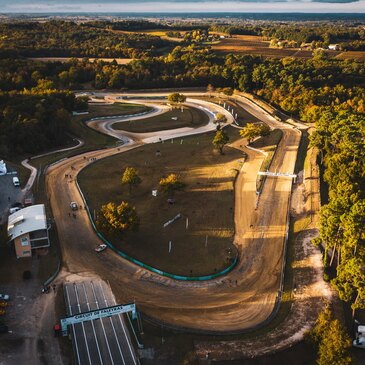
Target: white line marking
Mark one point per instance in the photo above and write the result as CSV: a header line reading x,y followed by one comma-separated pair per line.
x,y
73,327
92,324
122,323
102,325
82,325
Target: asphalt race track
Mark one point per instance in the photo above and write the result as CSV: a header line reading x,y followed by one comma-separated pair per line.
x,y
100,341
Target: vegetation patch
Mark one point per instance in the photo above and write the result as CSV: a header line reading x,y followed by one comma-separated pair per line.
x,y
201,239
175,118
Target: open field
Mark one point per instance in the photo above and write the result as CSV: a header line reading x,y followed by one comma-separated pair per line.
x,y
175,118
207,202
352,55
120,61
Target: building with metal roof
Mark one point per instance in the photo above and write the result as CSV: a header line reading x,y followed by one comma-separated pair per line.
x,y
28,229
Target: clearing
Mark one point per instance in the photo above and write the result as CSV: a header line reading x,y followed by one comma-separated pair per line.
x,y
207,201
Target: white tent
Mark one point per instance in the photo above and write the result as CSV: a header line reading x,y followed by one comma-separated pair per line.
x,y
3,169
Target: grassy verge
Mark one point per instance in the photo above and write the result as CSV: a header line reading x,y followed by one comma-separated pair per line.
x,y
207,202
175,118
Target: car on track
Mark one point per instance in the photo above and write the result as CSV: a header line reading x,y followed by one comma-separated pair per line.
x,y
73,206
101,247
4,297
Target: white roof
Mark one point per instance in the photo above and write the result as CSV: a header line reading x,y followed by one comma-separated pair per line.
x,y
27,220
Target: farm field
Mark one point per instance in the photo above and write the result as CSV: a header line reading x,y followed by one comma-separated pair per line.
x,y
189,117
207,201
352,55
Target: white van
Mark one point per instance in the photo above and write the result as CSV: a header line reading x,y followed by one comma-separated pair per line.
x,y
16,181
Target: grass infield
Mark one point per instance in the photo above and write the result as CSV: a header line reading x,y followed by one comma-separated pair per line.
x,y
175,118
207,202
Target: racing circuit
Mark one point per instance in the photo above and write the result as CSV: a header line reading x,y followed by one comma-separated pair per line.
x,y
241,300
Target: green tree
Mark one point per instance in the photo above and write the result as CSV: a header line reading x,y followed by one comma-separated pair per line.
x,y
220,118
171,183
331,340
113,218
335,345
176,98
253,130
220,140
130,177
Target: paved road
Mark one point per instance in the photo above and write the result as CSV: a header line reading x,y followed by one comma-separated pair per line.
x,y
101,341
242,299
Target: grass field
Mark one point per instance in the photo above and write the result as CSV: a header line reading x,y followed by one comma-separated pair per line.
x,y
207,202
175,118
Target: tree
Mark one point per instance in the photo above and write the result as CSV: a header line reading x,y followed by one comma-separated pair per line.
x,y
130,177
253,130
114,218
171,183
220,140
331,340
220,118
176,98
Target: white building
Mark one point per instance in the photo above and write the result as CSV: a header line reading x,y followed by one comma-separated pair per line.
x,y
334,47
3,169
28,229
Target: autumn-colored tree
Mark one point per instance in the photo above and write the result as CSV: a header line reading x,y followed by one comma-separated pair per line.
x,y
113,218
220,140
253,130
220,118
171,183
176,98
130,177
331,340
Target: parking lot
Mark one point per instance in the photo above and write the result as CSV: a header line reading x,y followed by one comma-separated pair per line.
x,y
9,194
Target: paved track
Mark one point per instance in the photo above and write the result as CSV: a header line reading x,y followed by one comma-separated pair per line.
x,y
102,341
242,299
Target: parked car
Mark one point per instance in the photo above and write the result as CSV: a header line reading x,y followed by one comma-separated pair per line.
x,y
16,181
4,297
13,210
101,247
73,206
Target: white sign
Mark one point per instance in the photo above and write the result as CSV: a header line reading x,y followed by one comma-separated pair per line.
x,y
154,192
96,314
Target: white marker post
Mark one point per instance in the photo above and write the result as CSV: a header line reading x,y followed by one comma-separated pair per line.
x,y
206,241
187,223
170,246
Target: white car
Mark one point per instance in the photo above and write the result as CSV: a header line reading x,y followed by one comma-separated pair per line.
x,y
4,297
101,247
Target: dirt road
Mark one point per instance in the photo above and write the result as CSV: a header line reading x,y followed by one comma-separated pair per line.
x,y
242,299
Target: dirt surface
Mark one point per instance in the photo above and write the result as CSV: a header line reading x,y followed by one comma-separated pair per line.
x,y
240,300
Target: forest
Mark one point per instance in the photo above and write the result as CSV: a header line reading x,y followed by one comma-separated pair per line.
x,y
67,39
35,106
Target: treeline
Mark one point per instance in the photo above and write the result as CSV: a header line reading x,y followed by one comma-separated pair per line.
x,y
33,121
340,136
67,39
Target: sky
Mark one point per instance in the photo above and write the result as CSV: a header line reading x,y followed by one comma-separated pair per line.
x,y
158,6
